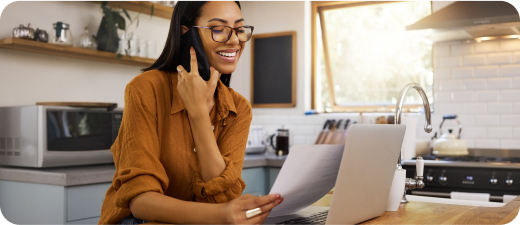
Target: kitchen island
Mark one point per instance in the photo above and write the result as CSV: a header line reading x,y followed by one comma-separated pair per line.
x,y
74,195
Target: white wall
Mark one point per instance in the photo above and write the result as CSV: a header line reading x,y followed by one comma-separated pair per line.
x,y
26,78
271,17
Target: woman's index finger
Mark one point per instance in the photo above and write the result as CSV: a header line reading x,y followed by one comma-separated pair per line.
x,y
194,65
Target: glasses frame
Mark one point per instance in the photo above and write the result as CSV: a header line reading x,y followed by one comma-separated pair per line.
x,y
230,33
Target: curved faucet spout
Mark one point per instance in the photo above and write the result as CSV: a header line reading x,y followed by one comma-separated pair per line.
x,y
399,106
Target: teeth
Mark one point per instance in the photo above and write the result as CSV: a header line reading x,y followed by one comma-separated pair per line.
x,y
227,54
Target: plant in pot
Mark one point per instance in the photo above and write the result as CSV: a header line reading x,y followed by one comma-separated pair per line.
x,y
106,37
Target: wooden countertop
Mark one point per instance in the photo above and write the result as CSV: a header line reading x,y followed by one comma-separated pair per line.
x,y
434,213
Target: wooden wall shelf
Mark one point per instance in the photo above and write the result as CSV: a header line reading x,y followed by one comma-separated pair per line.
x,y
144,7
73,52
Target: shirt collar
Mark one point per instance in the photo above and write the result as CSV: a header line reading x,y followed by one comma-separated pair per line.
x,y
224,101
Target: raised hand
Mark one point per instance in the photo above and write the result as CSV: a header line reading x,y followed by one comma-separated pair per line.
x,y
196,94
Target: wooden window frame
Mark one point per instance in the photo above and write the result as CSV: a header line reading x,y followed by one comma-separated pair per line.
x,y
318,7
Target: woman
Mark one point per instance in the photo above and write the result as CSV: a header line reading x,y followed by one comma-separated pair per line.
x,y
182,141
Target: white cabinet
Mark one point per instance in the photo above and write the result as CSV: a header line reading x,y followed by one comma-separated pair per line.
x,y
29,203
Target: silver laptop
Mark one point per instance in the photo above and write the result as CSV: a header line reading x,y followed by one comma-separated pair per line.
x,y
364,179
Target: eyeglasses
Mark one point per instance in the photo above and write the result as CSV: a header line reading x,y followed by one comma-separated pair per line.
x,y
222,33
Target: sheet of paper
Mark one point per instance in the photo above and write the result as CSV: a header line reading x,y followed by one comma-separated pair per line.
x,y
308,173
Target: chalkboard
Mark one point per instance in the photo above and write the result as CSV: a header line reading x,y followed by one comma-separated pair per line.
x,y
273,70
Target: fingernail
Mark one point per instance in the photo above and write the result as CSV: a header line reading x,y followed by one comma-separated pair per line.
x,y
191,49
280,200
277,196
211,67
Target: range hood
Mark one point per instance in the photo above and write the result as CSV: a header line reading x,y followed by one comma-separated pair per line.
x,y
479,20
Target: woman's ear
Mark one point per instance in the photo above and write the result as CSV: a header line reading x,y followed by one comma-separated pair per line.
x,y
184,29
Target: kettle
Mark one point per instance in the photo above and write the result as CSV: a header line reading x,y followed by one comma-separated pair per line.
x,y
449,144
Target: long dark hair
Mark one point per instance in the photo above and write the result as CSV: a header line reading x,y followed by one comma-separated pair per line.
x,y
185,13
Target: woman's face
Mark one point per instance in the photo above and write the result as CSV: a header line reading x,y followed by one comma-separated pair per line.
x,y
227,14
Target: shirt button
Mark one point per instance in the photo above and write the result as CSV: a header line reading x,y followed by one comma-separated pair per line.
x,y
213,127
194,150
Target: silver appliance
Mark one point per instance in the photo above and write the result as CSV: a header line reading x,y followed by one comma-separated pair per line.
x,y
256,140
479,20
52,136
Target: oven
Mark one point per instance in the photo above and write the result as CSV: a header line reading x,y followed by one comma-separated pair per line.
x,y
493,172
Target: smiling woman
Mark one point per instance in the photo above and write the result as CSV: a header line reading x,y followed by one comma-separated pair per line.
x,y
182,140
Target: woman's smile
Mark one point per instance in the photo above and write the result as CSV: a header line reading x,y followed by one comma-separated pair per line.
x,y
228,55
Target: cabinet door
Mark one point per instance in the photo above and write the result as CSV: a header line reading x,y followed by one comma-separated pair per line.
x,y
255,181
84,202
272,173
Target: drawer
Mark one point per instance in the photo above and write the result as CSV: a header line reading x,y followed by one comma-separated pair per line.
x,y
84,202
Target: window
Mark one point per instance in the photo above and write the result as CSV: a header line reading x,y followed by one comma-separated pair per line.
x,y
370,56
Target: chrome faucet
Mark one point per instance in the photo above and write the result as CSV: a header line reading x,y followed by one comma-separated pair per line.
x,y
418,181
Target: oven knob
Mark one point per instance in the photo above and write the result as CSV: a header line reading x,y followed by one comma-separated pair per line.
x,y
429,178
443,179
509,182
493,181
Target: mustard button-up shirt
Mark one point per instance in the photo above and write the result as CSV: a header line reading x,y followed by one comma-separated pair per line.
x,y
154,150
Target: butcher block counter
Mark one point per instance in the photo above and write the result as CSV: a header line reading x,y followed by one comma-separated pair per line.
x,y
415,212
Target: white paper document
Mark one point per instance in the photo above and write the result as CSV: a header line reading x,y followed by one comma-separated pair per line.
x,y
308,173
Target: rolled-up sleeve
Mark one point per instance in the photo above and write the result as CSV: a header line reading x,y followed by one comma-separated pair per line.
x,y
136,151
232,144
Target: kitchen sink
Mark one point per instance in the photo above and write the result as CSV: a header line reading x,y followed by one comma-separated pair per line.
x,y
417,198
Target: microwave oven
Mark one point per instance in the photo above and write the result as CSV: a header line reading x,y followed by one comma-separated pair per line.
x,y
54,136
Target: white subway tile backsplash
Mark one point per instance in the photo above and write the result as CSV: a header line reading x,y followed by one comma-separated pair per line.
x,y
486,71
466,120
499,83
516,107
516,57
297,120
500,132
449,108
488,46
510,144
450,85
487,120
442,97
300,140
309,140
516,83
486,143
516,132
461,49
500,108
474,132
441,50
510,45
486,96
305,130
510,95
474,84
278,120
462,96
436,62
315,120
475,108
499,58
462,72
510,70
449,61
470,143
441,73
474,60
510,120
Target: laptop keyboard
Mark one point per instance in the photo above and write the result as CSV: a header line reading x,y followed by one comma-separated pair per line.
x,y
317,218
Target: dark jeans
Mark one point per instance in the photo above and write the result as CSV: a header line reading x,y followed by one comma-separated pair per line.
x,y
131,220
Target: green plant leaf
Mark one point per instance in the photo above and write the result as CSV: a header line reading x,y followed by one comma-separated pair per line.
x,y
121,23
104,3
127,15
137,23
151,10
